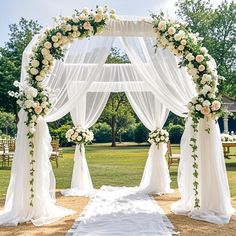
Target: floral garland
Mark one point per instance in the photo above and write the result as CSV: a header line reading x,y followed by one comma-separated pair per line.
x,y
34,96
79,135
158,136
202,67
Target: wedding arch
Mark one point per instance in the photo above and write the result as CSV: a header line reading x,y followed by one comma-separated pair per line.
x,y
81,83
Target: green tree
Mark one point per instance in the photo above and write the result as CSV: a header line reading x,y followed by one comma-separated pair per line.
x,y
10,59
7,124
118,115
217,27
141,133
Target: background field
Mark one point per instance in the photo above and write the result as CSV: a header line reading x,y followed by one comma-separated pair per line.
x,y
120,166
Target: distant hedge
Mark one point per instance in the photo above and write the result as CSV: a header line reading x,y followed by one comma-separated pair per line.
x,y
175,132
141,133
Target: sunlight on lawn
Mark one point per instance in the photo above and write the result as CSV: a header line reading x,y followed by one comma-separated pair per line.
x,y
120,166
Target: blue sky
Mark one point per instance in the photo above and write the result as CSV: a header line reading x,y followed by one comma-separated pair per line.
x,y
43,10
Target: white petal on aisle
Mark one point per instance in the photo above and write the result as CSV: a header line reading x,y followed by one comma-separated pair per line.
x,y
122,211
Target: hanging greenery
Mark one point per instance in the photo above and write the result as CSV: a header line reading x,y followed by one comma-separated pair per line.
x,y
34,95
201,66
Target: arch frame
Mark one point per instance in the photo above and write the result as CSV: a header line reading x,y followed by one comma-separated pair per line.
x,y
175,37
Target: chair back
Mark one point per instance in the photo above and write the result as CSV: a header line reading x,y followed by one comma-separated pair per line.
x,y
11,143
169,148
55,145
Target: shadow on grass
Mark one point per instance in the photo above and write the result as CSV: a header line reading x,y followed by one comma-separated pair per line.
x,y
231,166
5,167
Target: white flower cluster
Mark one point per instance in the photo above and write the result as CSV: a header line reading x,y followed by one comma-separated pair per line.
x,y
79,135
205,107
158,136
200,65
228,138
34,96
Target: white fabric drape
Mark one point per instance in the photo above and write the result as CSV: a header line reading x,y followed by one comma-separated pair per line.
x,y
214,195
157,73
156,178
162,83
88,109
17,208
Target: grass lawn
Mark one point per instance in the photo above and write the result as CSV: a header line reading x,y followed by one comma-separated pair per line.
x,y
120,166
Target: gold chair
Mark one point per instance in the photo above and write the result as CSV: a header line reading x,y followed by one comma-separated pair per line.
x,y
56,152
9,150
2,156
173,159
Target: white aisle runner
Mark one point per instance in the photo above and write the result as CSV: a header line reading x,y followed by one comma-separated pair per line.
x,y
121,211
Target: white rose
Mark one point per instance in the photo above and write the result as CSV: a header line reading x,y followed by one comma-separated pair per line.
x,y
75,28
54,38
199,58
206,103
35,63
87,26
190,65
113,11
198,107
162,25
171,30
183,42
99,10
45,62
193,71
46,110
162,138
68,28
82,17
206,88
34,71
44,104
47,45
177,37
98,17
201,68
211,95
56,45
32,130
204,50
28,104
85,10
45,51
39,78
181,47
79,138
190,57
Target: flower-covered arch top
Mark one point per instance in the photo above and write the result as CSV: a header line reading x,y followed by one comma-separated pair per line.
x,y
34,96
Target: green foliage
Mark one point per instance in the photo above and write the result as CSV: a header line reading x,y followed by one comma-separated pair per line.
x,y
10,59
7,124
102,132
118,114
175,133
60,133
141,133
217,26
174,119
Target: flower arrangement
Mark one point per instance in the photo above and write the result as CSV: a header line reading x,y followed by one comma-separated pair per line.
x,y
34,94
201,66
158,136
79,135
228,138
